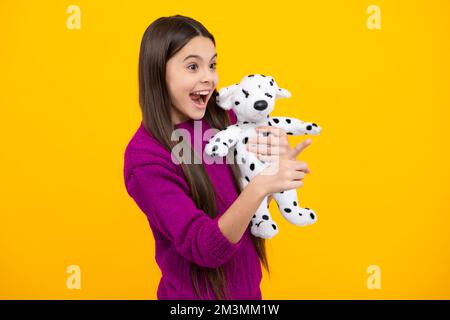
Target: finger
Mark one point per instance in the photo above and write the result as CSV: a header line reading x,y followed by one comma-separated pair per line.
x,y
269,140
264,149
267,159
298,175
299,148
294,184
263,156
301,166
271,130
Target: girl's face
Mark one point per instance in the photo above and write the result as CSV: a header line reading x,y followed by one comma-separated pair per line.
x,y
192,69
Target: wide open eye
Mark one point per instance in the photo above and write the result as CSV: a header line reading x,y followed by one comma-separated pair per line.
x,y
192,65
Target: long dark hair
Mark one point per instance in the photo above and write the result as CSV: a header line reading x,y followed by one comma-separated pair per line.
x,y
163,39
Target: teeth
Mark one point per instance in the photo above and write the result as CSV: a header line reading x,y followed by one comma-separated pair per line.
x,y
203,93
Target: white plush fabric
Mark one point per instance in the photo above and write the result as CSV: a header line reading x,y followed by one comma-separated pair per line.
x,y
252,100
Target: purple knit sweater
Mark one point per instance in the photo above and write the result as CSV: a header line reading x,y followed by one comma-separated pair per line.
x,y
183,233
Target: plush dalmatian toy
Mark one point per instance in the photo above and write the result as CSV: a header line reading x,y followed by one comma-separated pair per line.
x,y
252,100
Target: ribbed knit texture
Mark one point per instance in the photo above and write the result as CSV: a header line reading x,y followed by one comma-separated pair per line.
x,y
183,233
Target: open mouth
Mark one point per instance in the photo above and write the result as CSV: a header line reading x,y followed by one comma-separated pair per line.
x,y
199,98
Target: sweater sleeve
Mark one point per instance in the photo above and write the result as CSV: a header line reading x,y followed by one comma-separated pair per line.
x,y
232,116
162,196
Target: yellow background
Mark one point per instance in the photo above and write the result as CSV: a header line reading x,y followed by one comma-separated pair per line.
x,y
380,169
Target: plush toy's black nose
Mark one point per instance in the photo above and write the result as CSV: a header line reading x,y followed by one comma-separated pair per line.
x,y
260,105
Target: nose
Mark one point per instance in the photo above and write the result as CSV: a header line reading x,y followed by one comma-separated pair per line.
x,y
208,77
206,80
260,105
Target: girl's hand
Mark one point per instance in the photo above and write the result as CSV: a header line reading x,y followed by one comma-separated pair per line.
x,y
269,144
272,143
285,173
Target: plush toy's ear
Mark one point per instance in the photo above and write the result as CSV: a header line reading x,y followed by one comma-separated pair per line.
x,y
282,93
223,97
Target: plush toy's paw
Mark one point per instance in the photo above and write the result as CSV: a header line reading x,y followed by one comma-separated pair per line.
x,y
312,128
265,229
300,216
216,149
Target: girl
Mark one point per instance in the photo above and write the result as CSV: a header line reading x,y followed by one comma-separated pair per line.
x,y
198,214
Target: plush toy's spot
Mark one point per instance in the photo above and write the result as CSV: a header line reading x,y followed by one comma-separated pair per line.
x,y
287,210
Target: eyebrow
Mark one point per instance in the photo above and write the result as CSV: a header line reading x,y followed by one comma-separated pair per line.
x,y
198,57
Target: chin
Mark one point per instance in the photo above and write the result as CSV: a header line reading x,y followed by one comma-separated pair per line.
x,y
198,115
